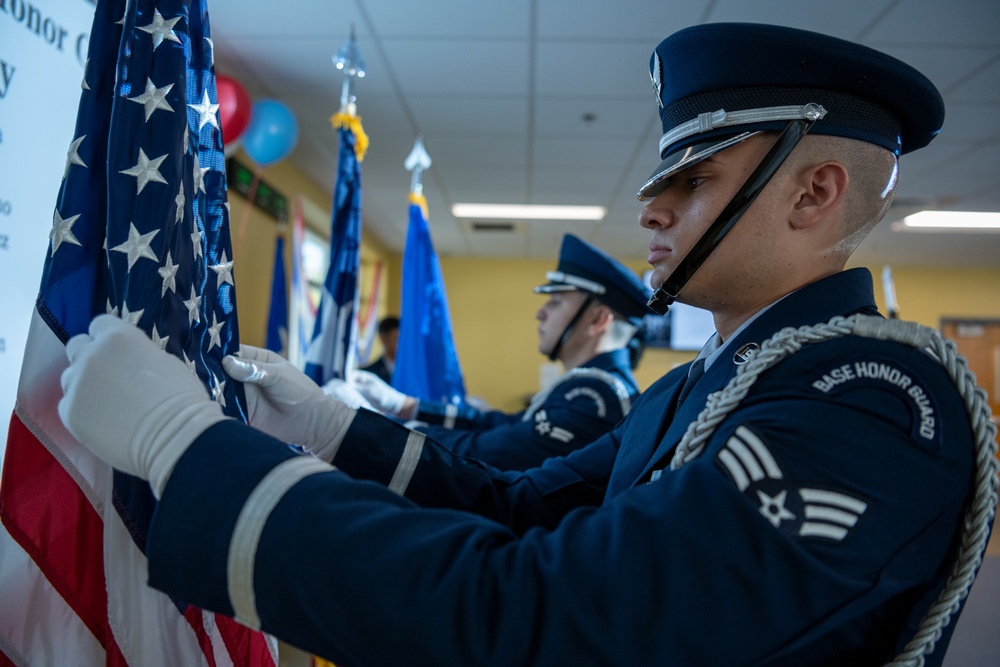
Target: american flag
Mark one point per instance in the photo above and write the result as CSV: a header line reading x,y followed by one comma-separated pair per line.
x,y
332,349
139,230
426,361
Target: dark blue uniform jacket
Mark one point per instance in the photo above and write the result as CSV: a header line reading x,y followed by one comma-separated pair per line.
x,y
814,528
582,405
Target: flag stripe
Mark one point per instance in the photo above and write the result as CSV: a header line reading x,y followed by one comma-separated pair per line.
x,y
195,618
140,230
29,603
139,616
258,648
55,525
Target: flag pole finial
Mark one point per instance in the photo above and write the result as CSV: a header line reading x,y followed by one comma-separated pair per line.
x,y
348,59
416,162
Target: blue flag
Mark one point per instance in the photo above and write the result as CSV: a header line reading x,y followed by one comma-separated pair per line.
x,y
426,361
331,351
277,318
140,230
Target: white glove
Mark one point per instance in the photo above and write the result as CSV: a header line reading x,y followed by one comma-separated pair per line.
x,y
381,395
132,404
346,393
285,403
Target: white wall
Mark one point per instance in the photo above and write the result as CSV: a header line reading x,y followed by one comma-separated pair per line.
x,y
43,45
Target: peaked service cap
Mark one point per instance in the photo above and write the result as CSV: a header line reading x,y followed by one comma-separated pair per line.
x,y
589,269
720,83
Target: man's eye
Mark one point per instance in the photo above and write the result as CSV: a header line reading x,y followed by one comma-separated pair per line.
x,y
694,181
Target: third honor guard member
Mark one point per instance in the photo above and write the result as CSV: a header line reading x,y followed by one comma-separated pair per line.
x,y
592,324
780,515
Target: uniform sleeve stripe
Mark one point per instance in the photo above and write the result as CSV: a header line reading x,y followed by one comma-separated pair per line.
x,y
751,439
735,469
250,525
749,462
407,463
810,529
830,514
832,498
561,434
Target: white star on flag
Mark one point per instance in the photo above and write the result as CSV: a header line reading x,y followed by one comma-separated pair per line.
x,y
206,112
62,231
162,342
199,176
73,156
179,201
169,274
224,271
190,364
213,332
154,98
132,318
145,170
196,240
137,246
160,29
218,390
193,304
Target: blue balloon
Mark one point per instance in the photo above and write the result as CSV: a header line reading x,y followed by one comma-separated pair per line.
x,y
271,134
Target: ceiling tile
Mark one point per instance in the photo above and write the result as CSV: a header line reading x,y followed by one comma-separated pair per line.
x,y
593,69
827,17
429,67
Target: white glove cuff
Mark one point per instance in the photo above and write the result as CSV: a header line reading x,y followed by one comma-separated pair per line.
x,y
174,437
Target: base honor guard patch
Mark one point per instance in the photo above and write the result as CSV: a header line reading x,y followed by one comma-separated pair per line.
x,y
802,511
887,374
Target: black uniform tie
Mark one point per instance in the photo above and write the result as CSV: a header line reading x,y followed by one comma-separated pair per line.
x,y
694,374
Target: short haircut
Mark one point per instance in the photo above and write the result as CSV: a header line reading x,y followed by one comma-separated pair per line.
x,y
387,325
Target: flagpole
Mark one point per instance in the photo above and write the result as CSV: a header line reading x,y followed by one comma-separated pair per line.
x,y
349,60
416,162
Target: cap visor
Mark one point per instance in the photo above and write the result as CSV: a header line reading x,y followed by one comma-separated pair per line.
x,y
555,287
683,159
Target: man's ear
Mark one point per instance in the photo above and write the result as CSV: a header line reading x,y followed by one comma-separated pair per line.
x,y
821,191
599,319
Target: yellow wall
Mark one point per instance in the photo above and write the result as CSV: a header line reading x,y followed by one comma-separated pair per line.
x,y
926,295
493,307
493,316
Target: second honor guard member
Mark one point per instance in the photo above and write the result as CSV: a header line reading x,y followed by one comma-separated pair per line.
x,y
782,514
591,323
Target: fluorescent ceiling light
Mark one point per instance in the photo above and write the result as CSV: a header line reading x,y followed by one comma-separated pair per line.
x,y
527,212
951,221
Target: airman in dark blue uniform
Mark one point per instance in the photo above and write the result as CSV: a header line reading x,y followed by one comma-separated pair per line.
x,y
796,496
592,324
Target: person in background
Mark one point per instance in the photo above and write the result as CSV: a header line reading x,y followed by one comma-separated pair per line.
x,y
777,515
592,324
388,335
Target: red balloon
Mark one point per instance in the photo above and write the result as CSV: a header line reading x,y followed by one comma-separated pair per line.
x,y
234,108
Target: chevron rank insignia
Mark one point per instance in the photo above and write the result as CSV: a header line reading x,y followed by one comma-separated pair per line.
x,y
545,428
803,511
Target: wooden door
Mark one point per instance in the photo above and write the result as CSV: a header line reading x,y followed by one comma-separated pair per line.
x,y
979,342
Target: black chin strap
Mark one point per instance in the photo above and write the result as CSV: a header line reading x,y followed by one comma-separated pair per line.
x,y
667,293
554,354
